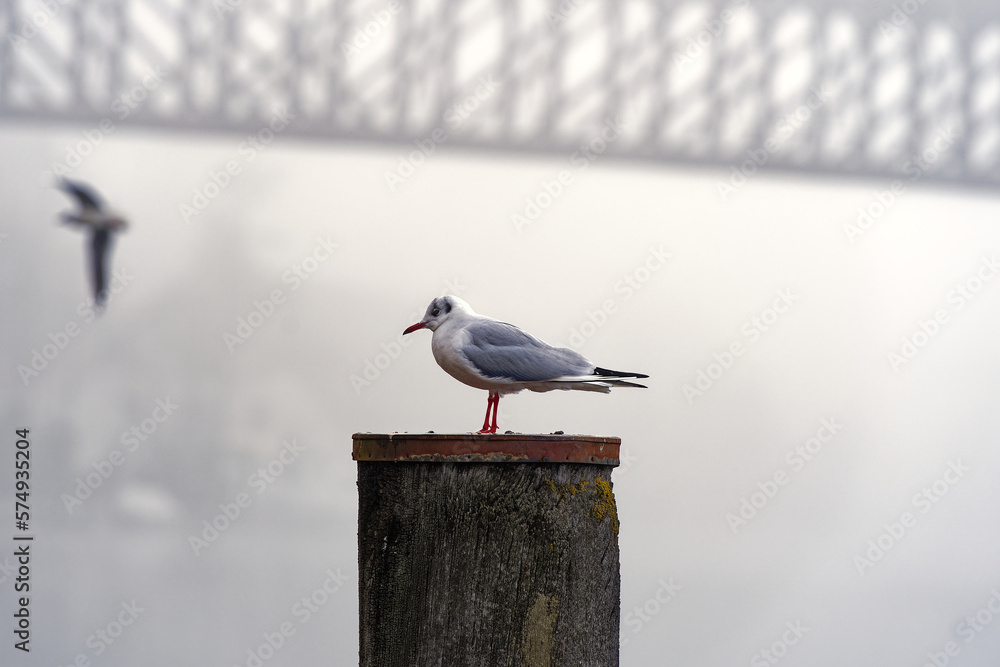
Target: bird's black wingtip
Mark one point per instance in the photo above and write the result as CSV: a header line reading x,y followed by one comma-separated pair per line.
x,y
604,372
85,195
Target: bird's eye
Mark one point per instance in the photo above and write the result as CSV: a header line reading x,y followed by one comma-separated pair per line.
x,y
435,312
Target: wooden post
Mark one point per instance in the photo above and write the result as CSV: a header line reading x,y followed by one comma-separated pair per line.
x,y
487,550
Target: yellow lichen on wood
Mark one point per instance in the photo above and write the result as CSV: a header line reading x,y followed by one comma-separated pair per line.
x,y
605,504
538,631
567,489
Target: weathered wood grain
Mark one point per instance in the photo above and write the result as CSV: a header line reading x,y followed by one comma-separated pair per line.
x,y
487,564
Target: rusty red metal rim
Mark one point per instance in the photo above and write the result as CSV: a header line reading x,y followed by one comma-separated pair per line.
x,y
486,448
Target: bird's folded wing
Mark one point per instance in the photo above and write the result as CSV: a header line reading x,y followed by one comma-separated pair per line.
x,y
500,350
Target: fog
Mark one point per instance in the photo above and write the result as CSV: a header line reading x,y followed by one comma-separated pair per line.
x,y
812,470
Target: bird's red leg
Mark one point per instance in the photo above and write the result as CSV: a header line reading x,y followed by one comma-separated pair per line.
x,y
486,421
496,409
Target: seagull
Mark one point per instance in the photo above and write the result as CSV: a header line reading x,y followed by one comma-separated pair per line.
x,y
488,354
102,223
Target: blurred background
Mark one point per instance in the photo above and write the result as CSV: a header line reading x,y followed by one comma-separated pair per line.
x,y
786,214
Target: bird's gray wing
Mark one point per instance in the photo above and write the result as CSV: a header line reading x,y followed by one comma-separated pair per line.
x,y
86,195
500,350
100,243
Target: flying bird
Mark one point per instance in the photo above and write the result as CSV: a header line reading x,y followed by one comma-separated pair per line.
x,y
103,223
488,354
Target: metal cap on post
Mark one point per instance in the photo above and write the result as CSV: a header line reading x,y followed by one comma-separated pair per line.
x,y
487,549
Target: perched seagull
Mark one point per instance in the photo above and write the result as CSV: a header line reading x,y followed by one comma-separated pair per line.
x,y
102,223
488,354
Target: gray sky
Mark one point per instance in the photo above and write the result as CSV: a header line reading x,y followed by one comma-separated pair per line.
x,y
819,368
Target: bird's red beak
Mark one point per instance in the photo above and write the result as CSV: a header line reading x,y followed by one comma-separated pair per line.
x,y
414,327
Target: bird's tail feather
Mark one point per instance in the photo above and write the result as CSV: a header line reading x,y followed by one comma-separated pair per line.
x,y
622,383
598,381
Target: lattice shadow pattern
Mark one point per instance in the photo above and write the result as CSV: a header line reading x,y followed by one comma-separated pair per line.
x,y
898,90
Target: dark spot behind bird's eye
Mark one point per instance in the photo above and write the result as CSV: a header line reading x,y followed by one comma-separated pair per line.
x,y
447,307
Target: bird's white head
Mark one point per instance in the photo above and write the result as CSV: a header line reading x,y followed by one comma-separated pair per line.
x,y
440,311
